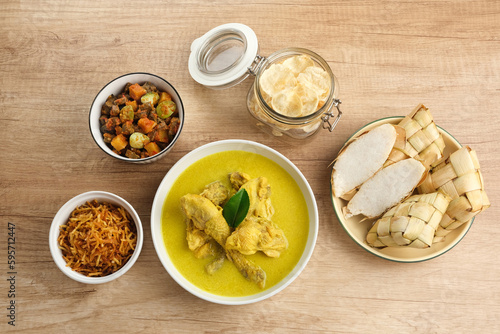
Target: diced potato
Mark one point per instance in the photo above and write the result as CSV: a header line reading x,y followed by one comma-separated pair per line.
x,y
152,148
136,91
146,124
164,96
119,142
133,104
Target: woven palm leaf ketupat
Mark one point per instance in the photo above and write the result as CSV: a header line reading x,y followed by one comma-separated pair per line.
x,y
412,223
460,177
424,142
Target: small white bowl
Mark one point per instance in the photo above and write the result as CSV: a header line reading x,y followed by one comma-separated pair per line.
x,y
115,87
61,218
206,150
357,229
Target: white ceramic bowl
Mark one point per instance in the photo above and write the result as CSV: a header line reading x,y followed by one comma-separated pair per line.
x,y
358,229
61,218
206,150
115,87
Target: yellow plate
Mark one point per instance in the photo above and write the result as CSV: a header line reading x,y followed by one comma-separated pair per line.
x,y
357,230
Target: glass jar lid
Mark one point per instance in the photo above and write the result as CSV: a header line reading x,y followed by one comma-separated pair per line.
x,y
222,57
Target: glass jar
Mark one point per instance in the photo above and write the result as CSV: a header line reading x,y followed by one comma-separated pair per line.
x,y
228,54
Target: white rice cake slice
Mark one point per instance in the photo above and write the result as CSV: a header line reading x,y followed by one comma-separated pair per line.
x,y
362,158
386,188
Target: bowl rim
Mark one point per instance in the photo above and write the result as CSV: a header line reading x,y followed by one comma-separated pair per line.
x,y
162,152
61,217
158,237
373,250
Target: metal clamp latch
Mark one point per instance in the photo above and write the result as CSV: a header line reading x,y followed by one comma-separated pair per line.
x,y
326,117
252,69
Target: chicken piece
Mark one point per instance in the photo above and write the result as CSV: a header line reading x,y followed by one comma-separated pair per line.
x,y
206,216
259,192
216,192
257,234
195,237
200,243
210,248
212,267
238,179
204,246
248,269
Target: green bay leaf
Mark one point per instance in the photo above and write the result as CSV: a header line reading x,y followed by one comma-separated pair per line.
x,y
236,208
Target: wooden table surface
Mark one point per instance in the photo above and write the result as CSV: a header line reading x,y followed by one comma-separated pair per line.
x,y
388,56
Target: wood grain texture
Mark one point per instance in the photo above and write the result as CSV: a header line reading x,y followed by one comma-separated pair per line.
x,y
387,55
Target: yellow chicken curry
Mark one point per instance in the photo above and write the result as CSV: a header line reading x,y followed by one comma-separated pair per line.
x,y
257,254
